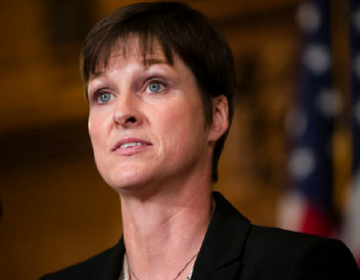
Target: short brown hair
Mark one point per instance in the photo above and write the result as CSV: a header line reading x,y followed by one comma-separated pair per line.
x,y
178,29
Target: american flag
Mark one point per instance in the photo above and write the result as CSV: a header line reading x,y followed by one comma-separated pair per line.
x,y
309,206
351,234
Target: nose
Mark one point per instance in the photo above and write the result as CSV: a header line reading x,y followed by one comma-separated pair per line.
x,y
127,112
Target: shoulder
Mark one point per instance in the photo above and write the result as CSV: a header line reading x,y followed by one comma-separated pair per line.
x,y
268,238
88,269
298,255
273,253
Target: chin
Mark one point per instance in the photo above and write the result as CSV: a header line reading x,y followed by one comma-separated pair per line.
x,y
121,176
127,181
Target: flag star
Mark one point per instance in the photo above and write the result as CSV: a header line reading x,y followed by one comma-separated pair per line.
x,y
302,163
328,103
309,17
317,59
355,18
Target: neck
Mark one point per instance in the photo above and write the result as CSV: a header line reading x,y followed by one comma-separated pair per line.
x,y
164,232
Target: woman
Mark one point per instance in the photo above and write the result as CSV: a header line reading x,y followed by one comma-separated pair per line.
x,y
160,82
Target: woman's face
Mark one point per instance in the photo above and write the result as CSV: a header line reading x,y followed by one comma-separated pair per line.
x,y
147,123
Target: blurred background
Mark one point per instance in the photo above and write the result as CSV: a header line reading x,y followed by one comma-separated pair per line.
x,y
290,159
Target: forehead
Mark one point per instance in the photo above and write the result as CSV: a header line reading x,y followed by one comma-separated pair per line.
x,y
132,49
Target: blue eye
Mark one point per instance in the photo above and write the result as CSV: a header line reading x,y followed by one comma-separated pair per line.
x,y
155,87
104,97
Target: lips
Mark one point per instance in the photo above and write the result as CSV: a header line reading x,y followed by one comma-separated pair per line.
x,y
129,143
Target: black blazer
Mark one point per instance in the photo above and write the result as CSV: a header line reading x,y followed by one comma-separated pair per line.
x,y
233,248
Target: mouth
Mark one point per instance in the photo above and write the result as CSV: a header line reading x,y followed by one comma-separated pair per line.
x,y
130,143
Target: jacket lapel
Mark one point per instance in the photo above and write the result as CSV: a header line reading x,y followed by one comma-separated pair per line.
x,y
220,255
111,264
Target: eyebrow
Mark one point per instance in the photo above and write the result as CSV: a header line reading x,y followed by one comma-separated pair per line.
x,y
146,62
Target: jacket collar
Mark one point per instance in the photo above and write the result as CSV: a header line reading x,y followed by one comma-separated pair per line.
x,y
219,256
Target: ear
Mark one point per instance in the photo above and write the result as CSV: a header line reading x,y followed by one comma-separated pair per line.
x,y
220,118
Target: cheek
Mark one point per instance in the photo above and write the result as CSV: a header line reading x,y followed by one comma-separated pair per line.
x,y
97,126
97,134
94,133
181,128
